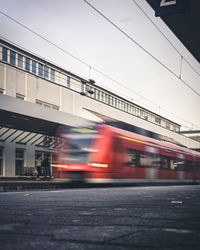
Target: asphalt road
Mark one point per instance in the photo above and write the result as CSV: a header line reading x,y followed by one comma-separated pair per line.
x,y
102,218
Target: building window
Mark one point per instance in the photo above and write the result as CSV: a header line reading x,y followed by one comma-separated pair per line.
x,y
1,160
158,120
38,102
40,69
95,93
5,54
55,107
12,58
20,61
34,67
167,125
19,96
52,75
27,66
48,105
46,72
19,161
68,81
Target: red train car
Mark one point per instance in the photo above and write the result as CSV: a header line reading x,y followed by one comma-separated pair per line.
x,y
105,154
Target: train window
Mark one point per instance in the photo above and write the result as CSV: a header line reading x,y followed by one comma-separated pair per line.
x,y
189,166
156,161
145,160
176,164
132,158
150,160
198,167
136,158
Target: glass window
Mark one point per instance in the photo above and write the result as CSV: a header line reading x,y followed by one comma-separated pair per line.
x,y
20,61
34,67
55,107
98,94
19,96
40,69
5,54
12,58
158,120
47,105
38,102
103,97
27,66
68,81
46,72
19,161
109,100
52,75
95,93
132,158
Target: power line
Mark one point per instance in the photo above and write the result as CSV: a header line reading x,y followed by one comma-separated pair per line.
x,y
45,39
95,69
140,46
78,59
166,37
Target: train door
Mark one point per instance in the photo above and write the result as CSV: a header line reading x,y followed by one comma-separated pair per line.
x,y
117,160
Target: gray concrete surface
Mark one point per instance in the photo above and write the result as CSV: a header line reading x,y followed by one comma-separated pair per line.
x,y
102,218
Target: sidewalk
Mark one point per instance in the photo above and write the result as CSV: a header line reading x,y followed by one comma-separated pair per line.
x,y
29,183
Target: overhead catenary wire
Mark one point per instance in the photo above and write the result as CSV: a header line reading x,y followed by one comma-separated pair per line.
x,y
140,46
183,58
78,59
95,69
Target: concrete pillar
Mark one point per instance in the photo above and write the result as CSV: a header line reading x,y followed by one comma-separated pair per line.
x,y
30,156
9,152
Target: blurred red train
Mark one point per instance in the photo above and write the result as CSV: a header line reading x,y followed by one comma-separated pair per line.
x,y
105,154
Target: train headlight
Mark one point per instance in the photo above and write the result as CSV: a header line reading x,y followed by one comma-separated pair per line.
x,y
99,165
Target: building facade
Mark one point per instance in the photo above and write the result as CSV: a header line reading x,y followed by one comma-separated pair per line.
x,y
36,95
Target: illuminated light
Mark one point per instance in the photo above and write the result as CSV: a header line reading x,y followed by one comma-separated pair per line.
x,y
83,130
176,202
99,165
131,139
59,166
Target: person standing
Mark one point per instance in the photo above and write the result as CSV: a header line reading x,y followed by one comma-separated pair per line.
x,y
38,166
46,166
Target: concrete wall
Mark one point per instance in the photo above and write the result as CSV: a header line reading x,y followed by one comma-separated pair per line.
x,y
15,81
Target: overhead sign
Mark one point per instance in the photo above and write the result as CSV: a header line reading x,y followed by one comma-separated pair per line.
x,y
169,7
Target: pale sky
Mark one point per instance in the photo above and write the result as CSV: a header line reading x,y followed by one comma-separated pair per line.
x,y
74,26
